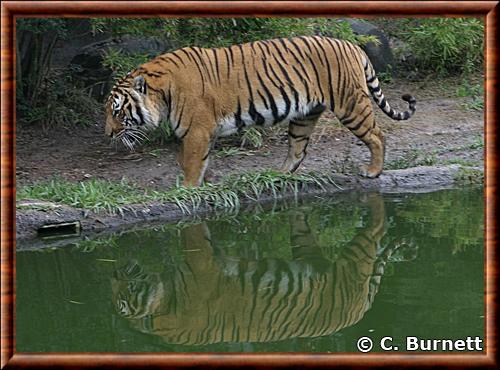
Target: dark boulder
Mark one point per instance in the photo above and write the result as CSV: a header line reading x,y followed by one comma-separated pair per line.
x,y
380,54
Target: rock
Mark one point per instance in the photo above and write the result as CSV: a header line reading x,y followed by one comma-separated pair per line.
x,y
380,55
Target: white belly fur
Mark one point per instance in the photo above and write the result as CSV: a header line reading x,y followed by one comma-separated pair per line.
x,y
227,125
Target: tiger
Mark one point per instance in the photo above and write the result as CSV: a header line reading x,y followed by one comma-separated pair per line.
x,y
207,93
212,298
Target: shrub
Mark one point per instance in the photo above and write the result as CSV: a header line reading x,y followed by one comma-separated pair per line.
x,y
121,63
45,95
36,39
59,102
448,46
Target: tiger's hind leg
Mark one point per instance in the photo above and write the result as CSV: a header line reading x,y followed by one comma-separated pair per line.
x,y
299,132
361,122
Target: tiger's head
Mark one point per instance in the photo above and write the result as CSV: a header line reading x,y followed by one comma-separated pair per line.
x,y
132,108
136,294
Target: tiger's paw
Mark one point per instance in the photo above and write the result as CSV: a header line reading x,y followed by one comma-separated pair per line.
x,y
368,171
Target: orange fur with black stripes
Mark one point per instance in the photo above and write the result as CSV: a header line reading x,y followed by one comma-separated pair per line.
x,y
207,93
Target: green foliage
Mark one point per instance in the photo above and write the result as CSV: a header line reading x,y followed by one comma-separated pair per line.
x,y
90,245
112,197
468,89
253,137
230,151
414,158
161,134
461,162
152,27
41,26
448,46
35,42
44,94
60,103
121,63
387,76
478,143
225,32
95,195
477,103
470,176
220,32
475,91
226,194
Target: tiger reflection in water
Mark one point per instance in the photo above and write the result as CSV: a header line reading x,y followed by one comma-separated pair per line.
x,y
210,299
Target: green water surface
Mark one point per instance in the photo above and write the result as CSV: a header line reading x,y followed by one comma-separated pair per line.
x,y
312,276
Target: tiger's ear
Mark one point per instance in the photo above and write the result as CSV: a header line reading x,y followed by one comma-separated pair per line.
x,y
140,84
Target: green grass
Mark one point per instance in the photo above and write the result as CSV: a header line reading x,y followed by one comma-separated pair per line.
x,y
471,176
462,162
478,143
477,103
232,151
228,193
415,158
467,88
160,135
96,195
473,90
114,197
253,137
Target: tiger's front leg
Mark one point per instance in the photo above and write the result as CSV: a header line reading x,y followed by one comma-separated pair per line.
x,y
194,155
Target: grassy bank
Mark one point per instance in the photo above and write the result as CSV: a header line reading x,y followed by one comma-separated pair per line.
x,y
419,157
113,197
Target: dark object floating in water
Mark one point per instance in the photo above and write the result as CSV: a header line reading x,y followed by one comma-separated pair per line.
x,y
61,229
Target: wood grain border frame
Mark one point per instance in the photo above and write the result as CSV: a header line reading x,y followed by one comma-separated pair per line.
x,y
12,9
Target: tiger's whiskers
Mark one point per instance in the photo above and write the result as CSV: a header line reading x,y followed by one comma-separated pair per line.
x,y
138,135
128,142
130,138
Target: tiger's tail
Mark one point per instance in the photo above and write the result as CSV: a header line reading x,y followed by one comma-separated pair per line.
x,y
374,87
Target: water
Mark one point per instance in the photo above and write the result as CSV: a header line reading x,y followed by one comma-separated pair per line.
x,y
308,277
